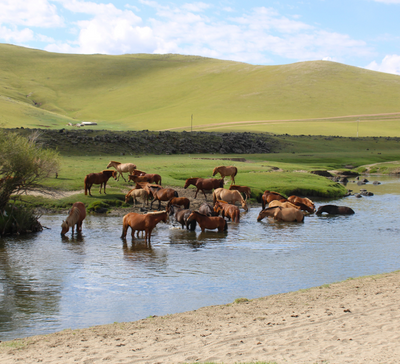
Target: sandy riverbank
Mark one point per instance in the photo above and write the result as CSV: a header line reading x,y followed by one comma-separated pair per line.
x,y
356,321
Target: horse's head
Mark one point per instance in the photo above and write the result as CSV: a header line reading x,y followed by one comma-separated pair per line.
x,y
64,227
215,171
244,205
114,174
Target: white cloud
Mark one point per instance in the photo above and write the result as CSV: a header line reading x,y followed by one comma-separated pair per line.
x,y
388,1
37,13
390,64
17,36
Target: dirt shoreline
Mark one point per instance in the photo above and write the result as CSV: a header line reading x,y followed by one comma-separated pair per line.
x,y
355,321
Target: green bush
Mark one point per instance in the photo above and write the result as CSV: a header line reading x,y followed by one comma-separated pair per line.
x,y
19,220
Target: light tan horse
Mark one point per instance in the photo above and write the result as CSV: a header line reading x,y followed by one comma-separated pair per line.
x,y
230,196
289,214
122,167
142,222
76,216
284,204
226,171
137,193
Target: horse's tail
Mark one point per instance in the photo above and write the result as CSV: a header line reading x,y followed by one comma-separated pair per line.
x,y
226,225
160,181
176,194
236,170
86,185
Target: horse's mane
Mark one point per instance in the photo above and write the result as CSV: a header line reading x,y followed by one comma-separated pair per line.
x,y
114,162
199,213
156,212
273,207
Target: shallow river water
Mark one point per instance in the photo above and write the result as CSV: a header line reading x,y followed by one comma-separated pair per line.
x,y
48,283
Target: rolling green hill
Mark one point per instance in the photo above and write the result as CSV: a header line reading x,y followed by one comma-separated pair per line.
x,y
157,92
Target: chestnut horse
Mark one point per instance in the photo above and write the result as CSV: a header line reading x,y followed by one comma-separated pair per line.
x,y
243,189
208,184
162,194
335,210
180,201
147,177
191,181
136,172
231,196
226,171
232,212
139,222
76,216
122,167
269,196
100,178
136,193
181,216
208,222
289,214
302,201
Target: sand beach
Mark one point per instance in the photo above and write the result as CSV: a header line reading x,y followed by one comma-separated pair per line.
x,y
355,321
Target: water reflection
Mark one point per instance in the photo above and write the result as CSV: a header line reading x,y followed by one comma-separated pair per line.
x,y
48,283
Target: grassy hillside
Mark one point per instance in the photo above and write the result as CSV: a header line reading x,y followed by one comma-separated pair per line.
x,y
156,92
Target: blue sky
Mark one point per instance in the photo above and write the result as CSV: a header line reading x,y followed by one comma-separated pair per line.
x,y
362,33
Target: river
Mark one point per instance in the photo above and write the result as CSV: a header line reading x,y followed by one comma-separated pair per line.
x,y
49,283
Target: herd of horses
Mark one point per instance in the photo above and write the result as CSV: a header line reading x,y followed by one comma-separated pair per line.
x,y
207,216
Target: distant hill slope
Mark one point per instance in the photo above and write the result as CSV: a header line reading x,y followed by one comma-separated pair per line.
x,y
156,92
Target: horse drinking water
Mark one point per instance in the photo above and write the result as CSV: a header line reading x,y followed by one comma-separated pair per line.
x,y
100,178
76,216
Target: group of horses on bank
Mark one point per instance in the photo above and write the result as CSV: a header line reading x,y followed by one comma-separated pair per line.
x,y
274,205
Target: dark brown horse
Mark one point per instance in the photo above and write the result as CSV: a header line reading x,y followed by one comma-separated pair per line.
x,y
181,216
191,181
100,178
208,222
163,194
299,201
335,210
139,222
224,208
243,189
180,201
269,196
208,184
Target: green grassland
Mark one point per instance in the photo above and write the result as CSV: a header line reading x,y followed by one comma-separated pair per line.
x,y
140,91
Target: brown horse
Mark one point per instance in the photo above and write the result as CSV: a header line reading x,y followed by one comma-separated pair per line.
x,y
208,184
163,194
208,222
269,196
139,222
100,178
226,171
302,201
136,193
231,196
122,167
243,189
181,216
179,201
76,216
147,177
191,181
282,214
136,172
335,210
232,212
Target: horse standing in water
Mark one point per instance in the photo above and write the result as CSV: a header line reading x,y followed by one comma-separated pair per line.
x,y
122,167
232,212
289,214
181,216
303,202
335,210
269,196
146,222
208,222
76,216
231,196
100,178
226,171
